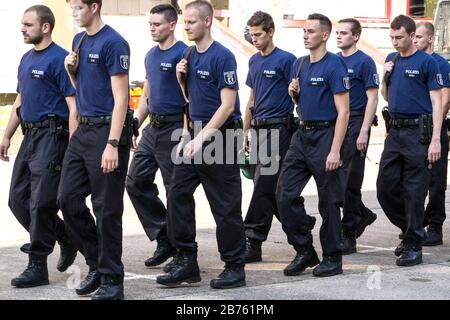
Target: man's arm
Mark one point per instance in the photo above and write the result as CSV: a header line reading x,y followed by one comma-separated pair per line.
x,y
119,85
388,67
248,113
228,98
434,150
248,117
71,66
341,100
11,128
445,101
73,122
371,108
142,110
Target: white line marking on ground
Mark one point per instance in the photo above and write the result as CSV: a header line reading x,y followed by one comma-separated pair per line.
x,y
378,249
135,276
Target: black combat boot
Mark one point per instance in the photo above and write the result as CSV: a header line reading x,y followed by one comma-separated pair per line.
x,y
411,255
185,270
68,253
171,265
366,220
90,283
433,236
399,250
111,288
253,251
348,242
305,258
330,266
232,276
164,251
36,274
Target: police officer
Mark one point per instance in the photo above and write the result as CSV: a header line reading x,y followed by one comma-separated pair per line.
x,y
321,92
364,82
435,211
42,107
213,107
269,110
413,95
166,107
97,158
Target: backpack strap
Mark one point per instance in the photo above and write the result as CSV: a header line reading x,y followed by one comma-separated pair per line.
x,y
183,79
387,75
300,62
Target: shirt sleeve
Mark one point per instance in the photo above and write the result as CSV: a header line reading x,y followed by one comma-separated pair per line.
x,y
227,73
369,74
117,57
63,80
433,75
249,81
338,79
445,70
289,68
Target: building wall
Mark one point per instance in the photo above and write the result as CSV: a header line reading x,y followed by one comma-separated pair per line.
x,y
129,7
12,42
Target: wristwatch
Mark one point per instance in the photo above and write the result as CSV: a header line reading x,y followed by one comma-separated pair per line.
x,y
113,142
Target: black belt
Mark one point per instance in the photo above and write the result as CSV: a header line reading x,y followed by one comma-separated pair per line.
x,y
37,124
94,120
256,123
357,113
46,123
159,119
310,125
399,123
234,124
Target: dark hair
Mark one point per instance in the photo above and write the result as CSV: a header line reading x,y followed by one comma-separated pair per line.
x,y
356,26
167,10
262,19
325,22
90,2
44,14
428,25
405,22
205,7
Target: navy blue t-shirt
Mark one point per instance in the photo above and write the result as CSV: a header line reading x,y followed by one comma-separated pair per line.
x,y
165,93
411,81
102,55
269,77
209,72
363,75
444,68
43,84
319,81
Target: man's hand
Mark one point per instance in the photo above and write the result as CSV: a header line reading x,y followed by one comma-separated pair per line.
x,y
294,88
71,62
192,147
434,151
133,144
4,147
361,142
110,159
388,67
245,144
182,68
333,161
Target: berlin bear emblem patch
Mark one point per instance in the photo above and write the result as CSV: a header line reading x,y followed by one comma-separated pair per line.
x,y
230,77
346,82
125,62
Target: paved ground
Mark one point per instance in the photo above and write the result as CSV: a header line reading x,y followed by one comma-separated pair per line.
x,y
369,274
